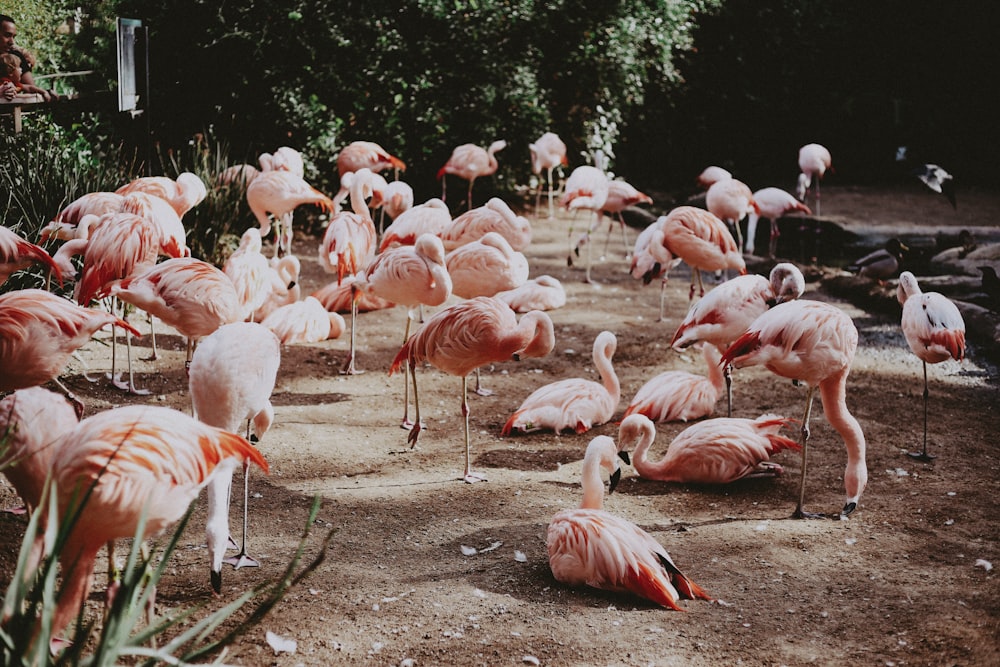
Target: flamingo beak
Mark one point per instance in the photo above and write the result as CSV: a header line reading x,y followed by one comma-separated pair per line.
x,y
616,477
623,455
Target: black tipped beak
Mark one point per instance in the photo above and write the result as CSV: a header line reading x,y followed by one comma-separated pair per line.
x,y
771,303
516,356
291,285
216,582
623,455
253,438
848,508
616,477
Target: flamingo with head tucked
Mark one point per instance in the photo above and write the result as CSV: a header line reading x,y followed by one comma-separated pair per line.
x,y
814,162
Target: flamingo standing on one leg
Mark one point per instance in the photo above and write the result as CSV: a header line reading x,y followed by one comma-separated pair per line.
x,y
714,451
701,239
470,162
547,153
279,193
811,342
934,330
731,200
814,161
726,312
587,188
231,378
122,467
589,546
467,335
679,395
772,203
349,242
574,403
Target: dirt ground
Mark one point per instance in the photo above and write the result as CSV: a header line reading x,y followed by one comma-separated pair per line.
x,y
904,581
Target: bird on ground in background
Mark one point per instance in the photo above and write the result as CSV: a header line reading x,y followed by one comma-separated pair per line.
x,y
991,285
814,343
679,395
493,216
190,295
470,162
305,321
285,158
621,195
409,275
882,264
547,153
651,259
814,162
589,546
431,217
363,155
731,200
714,451
121,468
701,240
541,293
39,331
348,244
18,253
934,330
232,375
933,176
574,403
183,193
772,203
279,193
586,188
711,175
339,298
728,310
467,335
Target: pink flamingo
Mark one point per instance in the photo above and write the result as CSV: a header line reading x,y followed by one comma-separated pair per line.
x,y
589,546
934,330
284,158
731,200
18,253
39,331
431,217
122,467
547,153
251,273
814,343
363,155
412,276
284,285
541,293
814,161
711,175
622,195
64,226
339,298
238,174
714,451
494,216
190,295
702,241
679,395
397,198
305,321
173,237
232,375
467,335
728,310
470,162
574,403
652,259
349,242
587,188
772,204
279,193
183,194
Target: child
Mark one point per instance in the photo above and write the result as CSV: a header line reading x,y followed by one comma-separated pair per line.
x,y
10,70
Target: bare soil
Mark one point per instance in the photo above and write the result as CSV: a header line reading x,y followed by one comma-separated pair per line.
x,y
903,581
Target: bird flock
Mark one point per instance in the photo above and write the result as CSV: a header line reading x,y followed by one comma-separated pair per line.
x,y
127,250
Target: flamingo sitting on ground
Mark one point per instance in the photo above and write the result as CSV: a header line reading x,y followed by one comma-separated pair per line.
x,y
702,241
232,375
183,194
814,162
729,309
772,203
470,162
586,188
731,200
305,321
714,451
934,330
679,395
467,335
431,217
541,293
493,216
547,153
284,289
17,253
814,343
589,546
122,467
574,403
279,193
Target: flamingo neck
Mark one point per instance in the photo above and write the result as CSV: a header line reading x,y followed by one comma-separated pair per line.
x,y
602,360
593,485
833,392
713,357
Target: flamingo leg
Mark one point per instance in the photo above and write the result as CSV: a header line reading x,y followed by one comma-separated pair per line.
x,y
551,211
817,195
469,477
480,389
663,293
349,368
417,425
406,384
727,373
799,513
924,456
153,356
242,559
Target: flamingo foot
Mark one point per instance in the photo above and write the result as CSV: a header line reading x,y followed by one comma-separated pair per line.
x,y
799,513
350,369
483,391
241,560
153,356
922,456
415,434
216,578
472,478
128,386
